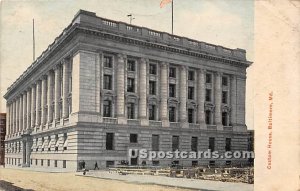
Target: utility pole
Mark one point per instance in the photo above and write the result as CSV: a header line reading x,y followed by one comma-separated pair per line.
x,y
33,39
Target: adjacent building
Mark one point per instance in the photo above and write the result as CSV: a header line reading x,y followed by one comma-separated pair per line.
x,y
103,87
2,137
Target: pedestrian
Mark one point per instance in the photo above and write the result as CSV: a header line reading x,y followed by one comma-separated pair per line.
x,y
96,166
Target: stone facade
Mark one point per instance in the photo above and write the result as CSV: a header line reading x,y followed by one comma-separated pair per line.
x,y
102,79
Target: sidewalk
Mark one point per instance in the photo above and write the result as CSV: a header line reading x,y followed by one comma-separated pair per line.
x,y
195,184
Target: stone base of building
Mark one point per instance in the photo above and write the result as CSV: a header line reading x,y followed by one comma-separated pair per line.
x,y
53,151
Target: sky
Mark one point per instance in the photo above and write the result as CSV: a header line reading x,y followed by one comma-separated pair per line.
x,y
220,22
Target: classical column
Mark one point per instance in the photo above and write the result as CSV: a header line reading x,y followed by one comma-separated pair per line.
x,y
7,119
182,96
20,113
17,115
43,101
38,104
33,105
121,89
57,93
143,93
201,98
218,100
13,116
28,108
164,95
233,99
24,111
50,96
65,111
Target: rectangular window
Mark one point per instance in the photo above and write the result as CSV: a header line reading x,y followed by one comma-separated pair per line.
x,y
172,90
109,141
172,72
224,119
131,65
152,87
152,69
133,138
107,82
152,110
107,108
130,85
55,163
211,144
191,115
208,95
228,144
175,143
42,162
190,92
110,164
155,142
36,162
64,164
194,144
224,81
48,162
224,97
208,78
107,61
130,111
208,117
191,75
172,113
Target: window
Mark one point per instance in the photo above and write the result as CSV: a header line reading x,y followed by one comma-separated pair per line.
x,y
152,87
194,144
152,69
190,92
133,138
48,162
152,109
172,90
208,78
191,115
211,144
42,162
224,81
110,163
64,164
36,162
224,97
107,61
175,143
55,163
65,143
107,108
208,95
109,141
208,117
191,75
228,144
131,65
107,82
172,113
172,72
224,119
130,84
130,111
155,142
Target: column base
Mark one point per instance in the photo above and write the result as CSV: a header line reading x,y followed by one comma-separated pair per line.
x,y
122,120
165,123
144,122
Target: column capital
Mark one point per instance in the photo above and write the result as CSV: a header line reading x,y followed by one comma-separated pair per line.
x,y
232,77
144,60
164,64
183,67
33,85
121,56
219,74
202,71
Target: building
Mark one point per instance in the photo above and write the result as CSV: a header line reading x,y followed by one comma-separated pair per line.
x,y
2,137
104,86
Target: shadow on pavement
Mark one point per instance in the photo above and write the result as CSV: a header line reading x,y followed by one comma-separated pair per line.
x,y
8,186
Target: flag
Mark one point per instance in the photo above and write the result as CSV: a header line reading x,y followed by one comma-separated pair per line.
x,y
164,2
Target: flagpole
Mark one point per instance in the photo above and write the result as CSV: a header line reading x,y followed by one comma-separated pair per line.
x,y
172,16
